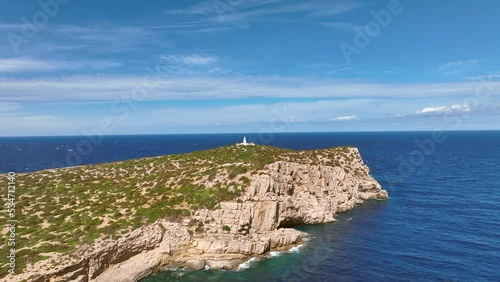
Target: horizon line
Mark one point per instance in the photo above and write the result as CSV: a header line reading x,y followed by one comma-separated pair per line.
x,y
252,133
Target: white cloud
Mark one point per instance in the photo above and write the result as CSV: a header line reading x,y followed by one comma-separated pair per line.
x,y
457,67
486,107
97,65
458,108
7,107
17,65
191,60
32,125
473,106
99,40
280,114
210,16
204,7
10,26
26,64
277,117
485,77
199,60
393,71
345,118
218,70
313,9
170,87
262,8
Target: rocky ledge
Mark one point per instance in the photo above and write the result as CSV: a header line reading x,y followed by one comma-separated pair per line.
x,y
261,219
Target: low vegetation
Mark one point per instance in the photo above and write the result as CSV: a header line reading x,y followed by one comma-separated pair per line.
x,y
58,210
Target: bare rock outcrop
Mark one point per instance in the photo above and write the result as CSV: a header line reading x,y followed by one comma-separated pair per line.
x,y
282,195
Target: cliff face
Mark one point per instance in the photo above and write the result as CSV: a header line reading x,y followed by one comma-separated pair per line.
x,y
281,195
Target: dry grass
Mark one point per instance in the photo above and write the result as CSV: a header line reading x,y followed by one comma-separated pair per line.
x,y
61,209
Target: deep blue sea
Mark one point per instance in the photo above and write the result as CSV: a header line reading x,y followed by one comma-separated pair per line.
x,y
441,223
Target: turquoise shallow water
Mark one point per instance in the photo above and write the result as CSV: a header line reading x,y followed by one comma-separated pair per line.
x,y
442,222
302,263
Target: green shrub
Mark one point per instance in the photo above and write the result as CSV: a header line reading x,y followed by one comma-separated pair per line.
x,y
64,196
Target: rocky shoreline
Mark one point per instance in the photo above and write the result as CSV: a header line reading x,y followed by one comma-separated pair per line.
x,y
279,197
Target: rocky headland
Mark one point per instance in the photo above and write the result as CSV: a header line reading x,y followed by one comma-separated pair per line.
x,y
242,202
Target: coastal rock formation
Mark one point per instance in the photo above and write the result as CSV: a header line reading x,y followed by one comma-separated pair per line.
x,y
281,195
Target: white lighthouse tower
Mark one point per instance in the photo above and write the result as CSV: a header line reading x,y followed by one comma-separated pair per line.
x,y
245,143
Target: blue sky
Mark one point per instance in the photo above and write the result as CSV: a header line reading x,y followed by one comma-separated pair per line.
x,y
68,67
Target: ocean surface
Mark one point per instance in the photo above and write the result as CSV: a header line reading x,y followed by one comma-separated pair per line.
x,y
441,223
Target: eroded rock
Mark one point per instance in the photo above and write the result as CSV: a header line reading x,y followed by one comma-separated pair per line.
x,y
281,196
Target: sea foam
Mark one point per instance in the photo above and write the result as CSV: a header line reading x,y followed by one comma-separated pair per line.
x,y
246,265
295,249
274,254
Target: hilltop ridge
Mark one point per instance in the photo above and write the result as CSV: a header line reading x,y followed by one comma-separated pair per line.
x,y
210,208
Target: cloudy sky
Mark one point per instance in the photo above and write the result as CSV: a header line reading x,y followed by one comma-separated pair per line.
x,y
69,67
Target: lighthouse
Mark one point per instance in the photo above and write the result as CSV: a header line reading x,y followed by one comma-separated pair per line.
x,y
245,143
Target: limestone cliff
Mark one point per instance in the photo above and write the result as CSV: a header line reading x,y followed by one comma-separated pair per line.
x,y
280,195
